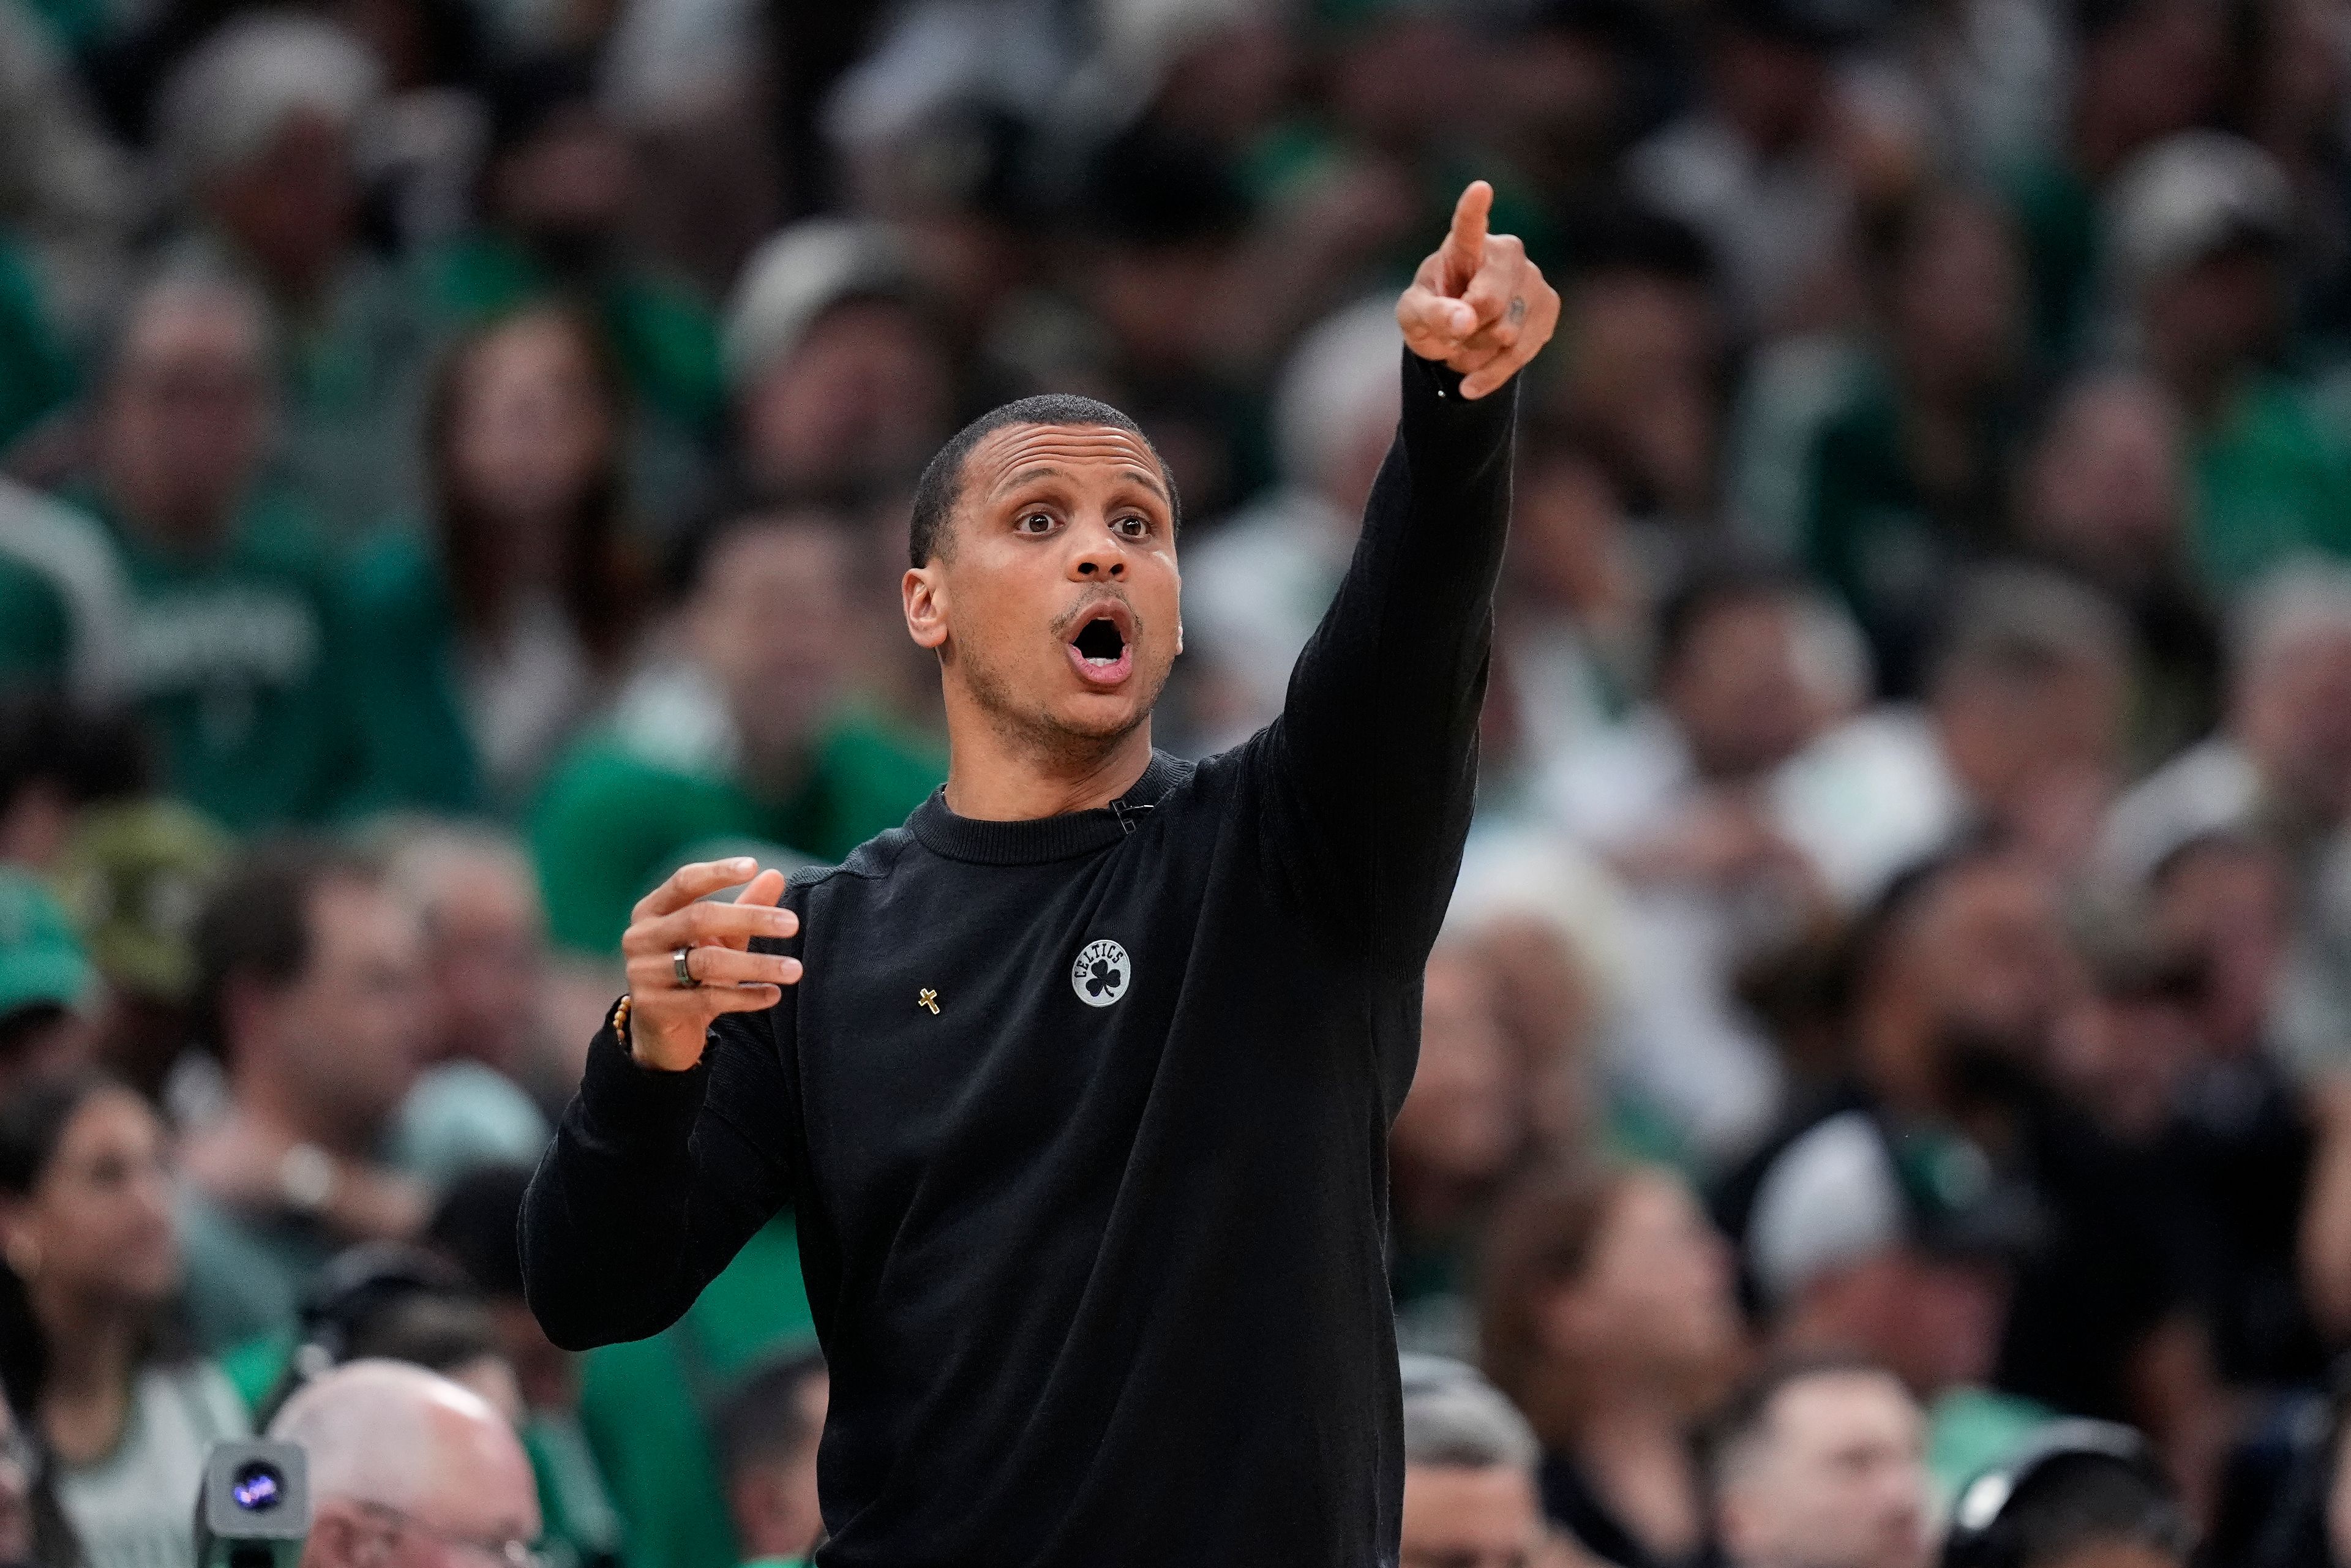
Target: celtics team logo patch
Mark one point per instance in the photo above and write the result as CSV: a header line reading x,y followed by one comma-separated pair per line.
x,y
1101,973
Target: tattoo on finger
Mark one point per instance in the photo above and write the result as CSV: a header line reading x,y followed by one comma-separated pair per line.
x,y
1518,311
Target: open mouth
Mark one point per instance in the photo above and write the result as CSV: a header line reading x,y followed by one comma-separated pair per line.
x,y
1102,651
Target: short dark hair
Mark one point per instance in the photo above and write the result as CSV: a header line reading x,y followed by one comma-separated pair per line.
x,y
2076,1501
1747,1413
1715,586
760,1419
257,923
940,489
1874,935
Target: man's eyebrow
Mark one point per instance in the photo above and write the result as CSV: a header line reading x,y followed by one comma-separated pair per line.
x,y
1151,482
1015,481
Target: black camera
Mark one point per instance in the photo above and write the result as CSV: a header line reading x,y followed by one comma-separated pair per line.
x,y
254,1508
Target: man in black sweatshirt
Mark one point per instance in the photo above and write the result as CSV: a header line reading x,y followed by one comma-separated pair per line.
x,y
1079,1084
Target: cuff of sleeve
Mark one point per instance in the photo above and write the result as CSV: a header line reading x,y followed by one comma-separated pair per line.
x,y
1433,390
627,1101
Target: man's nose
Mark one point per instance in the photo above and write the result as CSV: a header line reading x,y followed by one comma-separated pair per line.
x,y
1100,560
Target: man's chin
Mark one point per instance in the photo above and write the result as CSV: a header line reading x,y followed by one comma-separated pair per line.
x,y
1104,717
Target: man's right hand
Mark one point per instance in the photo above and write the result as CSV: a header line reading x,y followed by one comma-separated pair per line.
x,y
669,1023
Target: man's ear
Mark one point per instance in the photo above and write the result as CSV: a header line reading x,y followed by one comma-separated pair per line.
x,y
923,589
338,1540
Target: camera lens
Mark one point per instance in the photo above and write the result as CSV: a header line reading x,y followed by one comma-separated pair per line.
x,y
257,1488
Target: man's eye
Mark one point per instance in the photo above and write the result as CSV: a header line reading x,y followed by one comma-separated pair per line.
x,y
1132,527
1035,523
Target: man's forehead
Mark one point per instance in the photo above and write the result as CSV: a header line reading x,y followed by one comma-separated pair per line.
x,y
1831,1407
1007,456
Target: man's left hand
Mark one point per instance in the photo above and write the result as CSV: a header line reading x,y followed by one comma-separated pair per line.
x,y
1477,305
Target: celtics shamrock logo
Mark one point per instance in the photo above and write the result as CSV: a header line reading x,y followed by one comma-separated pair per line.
x,y
1101,973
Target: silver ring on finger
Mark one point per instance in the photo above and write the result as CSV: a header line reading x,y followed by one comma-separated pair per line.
x,y
684,973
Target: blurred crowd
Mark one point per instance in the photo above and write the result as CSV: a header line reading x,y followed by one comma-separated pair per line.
x,y
455,459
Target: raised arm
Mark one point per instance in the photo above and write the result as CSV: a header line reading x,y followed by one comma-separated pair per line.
x,y
673,1152
1377,742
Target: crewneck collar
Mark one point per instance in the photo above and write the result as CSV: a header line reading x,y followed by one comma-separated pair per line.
x,y
1033,839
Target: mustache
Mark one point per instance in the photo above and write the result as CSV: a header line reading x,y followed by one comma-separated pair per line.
x,y
1083,611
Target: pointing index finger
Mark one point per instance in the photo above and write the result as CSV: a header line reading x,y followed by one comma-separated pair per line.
x,y
1465,242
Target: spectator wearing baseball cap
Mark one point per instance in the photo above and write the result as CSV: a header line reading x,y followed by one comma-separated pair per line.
x,y
835,373
2200,232
1852,1250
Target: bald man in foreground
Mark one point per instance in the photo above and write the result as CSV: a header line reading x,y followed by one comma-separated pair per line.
x,y
409,1470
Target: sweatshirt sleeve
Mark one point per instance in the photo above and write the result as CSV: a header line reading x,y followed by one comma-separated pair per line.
x,y
654,1181
1374,754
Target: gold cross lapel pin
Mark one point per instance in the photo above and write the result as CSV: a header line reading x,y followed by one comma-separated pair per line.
x,y
928,999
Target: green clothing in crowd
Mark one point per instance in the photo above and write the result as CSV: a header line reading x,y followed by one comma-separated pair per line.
x,y
2271,482
2056,215
665,337
351,369
1871,527
646,1406
1969,1429
36,376
633,803
408,670
241,661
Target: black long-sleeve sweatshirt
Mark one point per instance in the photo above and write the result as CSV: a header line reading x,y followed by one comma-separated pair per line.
x,y
1085,1119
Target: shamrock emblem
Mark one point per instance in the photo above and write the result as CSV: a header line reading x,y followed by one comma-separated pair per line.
x,y
1101,973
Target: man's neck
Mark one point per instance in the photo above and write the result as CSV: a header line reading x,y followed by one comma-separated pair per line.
x,y
999,777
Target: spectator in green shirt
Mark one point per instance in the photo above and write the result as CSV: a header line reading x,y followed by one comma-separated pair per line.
x,y
1906,481
2195,249
34,376
517,611
236,638
750,737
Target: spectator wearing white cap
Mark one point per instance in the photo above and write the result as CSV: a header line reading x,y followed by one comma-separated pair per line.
x,y
2199,226
1955,987
836,376
258,129
1845,1258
